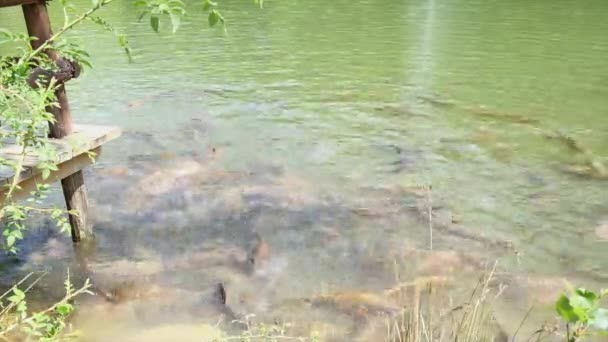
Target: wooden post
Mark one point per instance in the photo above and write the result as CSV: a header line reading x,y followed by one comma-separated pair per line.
x,y
74,190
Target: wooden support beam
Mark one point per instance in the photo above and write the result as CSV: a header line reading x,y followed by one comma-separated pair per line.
x,y
84,138
75,193
64,169
39,26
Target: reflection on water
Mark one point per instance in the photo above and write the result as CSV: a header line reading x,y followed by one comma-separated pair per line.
x,y
318,128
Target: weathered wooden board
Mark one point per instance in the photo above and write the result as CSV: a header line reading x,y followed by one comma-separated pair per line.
x,y
64,170
85,138
7,3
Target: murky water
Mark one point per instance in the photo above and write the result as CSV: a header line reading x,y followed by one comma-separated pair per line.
x,y
315,124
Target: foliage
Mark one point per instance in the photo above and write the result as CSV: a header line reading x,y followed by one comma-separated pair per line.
x,y
583,314
25,119
176,9
45,325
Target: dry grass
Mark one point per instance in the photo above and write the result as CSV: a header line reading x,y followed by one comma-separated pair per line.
x,y
430,315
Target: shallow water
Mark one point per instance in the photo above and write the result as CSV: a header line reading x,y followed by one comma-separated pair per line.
x,y
321,114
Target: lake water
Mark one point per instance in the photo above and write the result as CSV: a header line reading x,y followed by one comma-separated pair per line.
x,y
317,124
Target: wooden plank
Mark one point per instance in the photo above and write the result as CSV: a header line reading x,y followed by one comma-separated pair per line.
x,y
84,138
64,169
8,3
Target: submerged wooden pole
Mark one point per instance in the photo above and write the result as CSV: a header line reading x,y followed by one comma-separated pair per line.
x,y
74,190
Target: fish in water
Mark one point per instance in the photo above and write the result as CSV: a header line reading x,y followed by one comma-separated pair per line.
x,y
405,158
257,253
356,303
219,300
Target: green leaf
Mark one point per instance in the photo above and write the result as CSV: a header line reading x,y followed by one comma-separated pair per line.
x,y
582,302
175,21
208,4
17,234
18,296
590,295
213,18
163,8
154,21
65,309
10,240
565,310
600,320
123,41
46,173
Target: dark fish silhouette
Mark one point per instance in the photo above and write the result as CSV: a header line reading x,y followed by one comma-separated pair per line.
x,y
257,253
219,295
219,300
